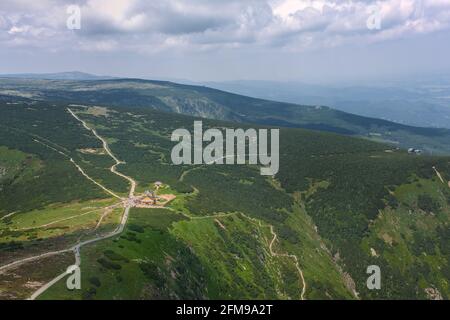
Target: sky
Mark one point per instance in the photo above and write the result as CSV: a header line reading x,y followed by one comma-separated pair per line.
x,y
218,40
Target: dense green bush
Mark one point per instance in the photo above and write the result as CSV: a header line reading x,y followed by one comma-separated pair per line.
x,y
95,281
427,204
107,264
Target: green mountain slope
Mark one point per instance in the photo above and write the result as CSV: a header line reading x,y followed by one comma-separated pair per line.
x,y
215,104
338,205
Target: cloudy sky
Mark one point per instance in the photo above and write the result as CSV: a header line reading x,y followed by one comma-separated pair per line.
x,y
316,40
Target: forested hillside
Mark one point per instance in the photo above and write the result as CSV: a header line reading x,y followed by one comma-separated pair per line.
x,y
215,104
338,205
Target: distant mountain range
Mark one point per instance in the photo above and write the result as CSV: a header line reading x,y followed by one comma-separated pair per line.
x,y
423,103
338,204
73,75
215,104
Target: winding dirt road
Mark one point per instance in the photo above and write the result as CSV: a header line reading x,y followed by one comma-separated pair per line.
x,y
76,249
440,177
260,224
70,218
294,257
113,169
286,255
98,184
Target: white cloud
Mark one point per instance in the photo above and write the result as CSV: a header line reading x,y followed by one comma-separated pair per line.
x,y
141,25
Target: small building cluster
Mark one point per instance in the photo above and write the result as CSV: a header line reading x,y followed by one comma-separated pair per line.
x,y
149,199
414,151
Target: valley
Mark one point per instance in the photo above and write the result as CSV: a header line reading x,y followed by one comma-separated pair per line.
x,y
309,233
224,158
201,101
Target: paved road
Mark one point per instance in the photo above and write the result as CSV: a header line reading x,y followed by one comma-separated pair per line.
x,y
30,259
76,249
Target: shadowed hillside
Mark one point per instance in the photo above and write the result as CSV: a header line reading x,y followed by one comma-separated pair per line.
x,y
214,104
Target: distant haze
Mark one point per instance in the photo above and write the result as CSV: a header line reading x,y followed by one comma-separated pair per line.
x,y
322,41
422,100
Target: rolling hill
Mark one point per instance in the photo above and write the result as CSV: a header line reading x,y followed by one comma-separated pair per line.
x,y
338,205
73,75
420,101
214,104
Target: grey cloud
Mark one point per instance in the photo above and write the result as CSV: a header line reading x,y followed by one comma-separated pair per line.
x,y
139,24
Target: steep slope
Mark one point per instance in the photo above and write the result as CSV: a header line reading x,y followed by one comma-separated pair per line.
x,y
344,184
337,205
153,259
